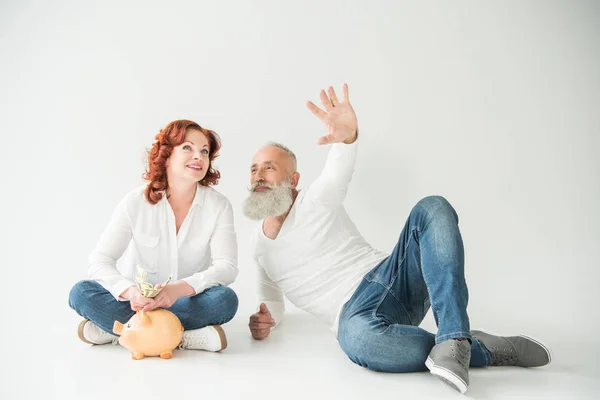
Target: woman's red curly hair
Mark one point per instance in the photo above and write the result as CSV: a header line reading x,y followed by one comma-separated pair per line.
x,y
172,136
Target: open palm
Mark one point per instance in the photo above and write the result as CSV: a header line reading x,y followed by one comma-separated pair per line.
x,y
339,117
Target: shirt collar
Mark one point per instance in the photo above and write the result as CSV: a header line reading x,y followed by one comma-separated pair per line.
x,y
198,197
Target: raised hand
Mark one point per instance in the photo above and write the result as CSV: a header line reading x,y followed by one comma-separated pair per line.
x,y
339,117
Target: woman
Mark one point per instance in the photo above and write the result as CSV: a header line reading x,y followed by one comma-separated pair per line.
x,y
175,226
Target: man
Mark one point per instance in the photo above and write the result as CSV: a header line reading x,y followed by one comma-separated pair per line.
x,y
308,249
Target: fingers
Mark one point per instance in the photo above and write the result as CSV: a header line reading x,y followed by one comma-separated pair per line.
x,y
261,322
143,299
261,325
260,334
255,321
139,302
316,110
332,96
261,318
263,309
162,300
150,306
346,95
158,304
326,101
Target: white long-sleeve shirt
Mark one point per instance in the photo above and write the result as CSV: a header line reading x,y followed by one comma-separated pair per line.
x,y
318,258
203,253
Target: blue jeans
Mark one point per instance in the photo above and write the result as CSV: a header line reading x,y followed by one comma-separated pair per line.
x,y
215,306
378,328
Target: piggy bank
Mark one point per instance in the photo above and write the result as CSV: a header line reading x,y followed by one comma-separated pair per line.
x,y
150,333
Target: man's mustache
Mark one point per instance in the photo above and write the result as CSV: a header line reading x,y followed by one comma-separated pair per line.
x,y
256,184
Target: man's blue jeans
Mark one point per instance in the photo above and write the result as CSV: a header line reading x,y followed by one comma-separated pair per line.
x,y
215,306
378,328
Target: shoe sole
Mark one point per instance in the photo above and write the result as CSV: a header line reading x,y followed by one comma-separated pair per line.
x,y
80,331
534,340
222,336
447,376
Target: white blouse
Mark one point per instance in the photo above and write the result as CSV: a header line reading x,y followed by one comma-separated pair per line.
x,y
203,253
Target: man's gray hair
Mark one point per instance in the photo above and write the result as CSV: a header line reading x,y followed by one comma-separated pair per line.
x,y
289,153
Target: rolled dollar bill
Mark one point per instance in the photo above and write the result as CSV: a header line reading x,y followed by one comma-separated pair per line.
x,y
145,287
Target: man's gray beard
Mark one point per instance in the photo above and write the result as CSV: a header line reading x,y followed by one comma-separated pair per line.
x,y
270,203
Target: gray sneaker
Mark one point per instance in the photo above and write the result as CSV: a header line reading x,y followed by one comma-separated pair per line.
x,y
520,351
449,361
91,333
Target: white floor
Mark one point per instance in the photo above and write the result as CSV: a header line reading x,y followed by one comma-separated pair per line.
x,y
300,360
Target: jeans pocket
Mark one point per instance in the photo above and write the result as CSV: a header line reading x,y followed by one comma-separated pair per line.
x,y
383,273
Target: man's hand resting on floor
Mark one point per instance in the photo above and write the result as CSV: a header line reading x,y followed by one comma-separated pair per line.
x,y
261,323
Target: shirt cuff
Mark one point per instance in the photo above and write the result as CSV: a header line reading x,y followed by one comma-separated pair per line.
x,y
120,287
197,282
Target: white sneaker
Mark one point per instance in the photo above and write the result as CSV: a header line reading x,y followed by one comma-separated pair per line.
x,y
90,333
210,338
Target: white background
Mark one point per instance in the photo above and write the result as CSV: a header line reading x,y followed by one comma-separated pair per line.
x,y
494,105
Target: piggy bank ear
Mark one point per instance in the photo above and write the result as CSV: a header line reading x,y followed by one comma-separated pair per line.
x,y
117,327
144,318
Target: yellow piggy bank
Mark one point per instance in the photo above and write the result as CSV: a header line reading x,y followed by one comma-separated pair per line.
x,y
150,333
